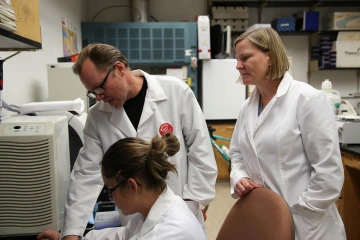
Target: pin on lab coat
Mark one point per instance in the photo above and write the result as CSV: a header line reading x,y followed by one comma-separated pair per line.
x,y
169,218
292,148
168,100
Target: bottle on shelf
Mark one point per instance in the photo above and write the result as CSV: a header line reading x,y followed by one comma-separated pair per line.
x,y
332,94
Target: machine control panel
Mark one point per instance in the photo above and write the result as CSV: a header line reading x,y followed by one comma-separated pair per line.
x,y
25,129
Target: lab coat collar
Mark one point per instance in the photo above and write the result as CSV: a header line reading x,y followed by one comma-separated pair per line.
x,y
154,93
161,205
284,85
282,89
252,120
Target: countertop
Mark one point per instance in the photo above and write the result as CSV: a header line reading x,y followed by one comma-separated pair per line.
x,y
352,149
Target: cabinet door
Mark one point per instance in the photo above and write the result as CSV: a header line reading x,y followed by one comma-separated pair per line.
x,y
224,130
350,203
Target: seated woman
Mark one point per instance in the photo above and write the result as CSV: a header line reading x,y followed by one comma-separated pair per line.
x,y
134,172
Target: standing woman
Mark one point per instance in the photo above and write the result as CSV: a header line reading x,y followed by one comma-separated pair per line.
x,y
134,173
285,138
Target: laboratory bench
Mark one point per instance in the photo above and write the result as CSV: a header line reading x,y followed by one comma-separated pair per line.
x,y
349,201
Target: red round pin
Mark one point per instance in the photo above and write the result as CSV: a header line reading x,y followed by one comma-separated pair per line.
x,y
165,128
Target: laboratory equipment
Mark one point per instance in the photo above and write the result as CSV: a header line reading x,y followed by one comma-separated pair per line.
x,y
348,124
34,173
76,120
107,219
349,130
76,124
64,85
222,95
346,108
151,44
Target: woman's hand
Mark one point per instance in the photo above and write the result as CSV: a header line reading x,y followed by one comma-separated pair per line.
x,y
244,186
49,234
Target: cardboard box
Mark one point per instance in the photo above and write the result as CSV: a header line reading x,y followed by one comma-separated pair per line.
x,y
307,21
344,21
348,49
237,25
284,24
27,14
255,26
230,12
314,65
203,26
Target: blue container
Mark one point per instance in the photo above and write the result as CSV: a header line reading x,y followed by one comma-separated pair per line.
x,y
307,21
284,24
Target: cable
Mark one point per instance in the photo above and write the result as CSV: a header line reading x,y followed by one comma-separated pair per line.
x,y
154,18
15,106
10,108
113,6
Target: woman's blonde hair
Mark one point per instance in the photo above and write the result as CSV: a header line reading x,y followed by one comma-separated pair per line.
x,y
268,40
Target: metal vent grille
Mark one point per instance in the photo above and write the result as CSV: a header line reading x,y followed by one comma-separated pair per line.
x,y
25,189
146,43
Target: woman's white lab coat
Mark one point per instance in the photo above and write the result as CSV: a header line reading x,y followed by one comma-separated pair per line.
x,y
292,148
169,218
168,100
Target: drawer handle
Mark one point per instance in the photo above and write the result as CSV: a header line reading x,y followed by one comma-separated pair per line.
x,y
230,127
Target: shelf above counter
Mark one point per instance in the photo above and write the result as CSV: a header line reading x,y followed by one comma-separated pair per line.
x,y
297,33
10,41
278,4
337,69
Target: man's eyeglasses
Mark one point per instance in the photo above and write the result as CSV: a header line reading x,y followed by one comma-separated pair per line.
x,y
108,191
100,89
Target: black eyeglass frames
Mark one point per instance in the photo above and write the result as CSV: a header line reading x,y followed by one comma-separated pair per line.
x,y
100,89
108,191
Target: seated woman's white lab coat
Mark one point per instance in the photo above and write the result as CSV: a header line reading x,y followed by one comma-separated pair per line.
x,y
169,218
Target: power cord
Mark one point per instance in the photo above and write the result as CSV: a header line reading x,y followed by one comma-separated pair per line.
x,y
12,108
114,6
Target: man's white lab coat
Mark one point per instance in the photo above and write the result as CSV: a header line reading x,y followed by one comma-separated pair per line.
x,y
168,100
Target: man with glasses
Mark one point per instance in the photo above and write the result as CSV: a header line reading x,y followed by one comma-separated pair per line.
x,y
137,104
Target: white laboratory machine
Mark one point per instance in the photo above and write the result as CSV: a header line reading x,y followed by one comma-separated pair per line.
x,y
348,129
64,85
76,124
348,124
222,95
34,173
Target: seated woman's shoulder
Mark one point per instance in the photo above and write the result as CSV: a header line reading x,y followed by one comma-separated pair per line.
x,y
178,222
